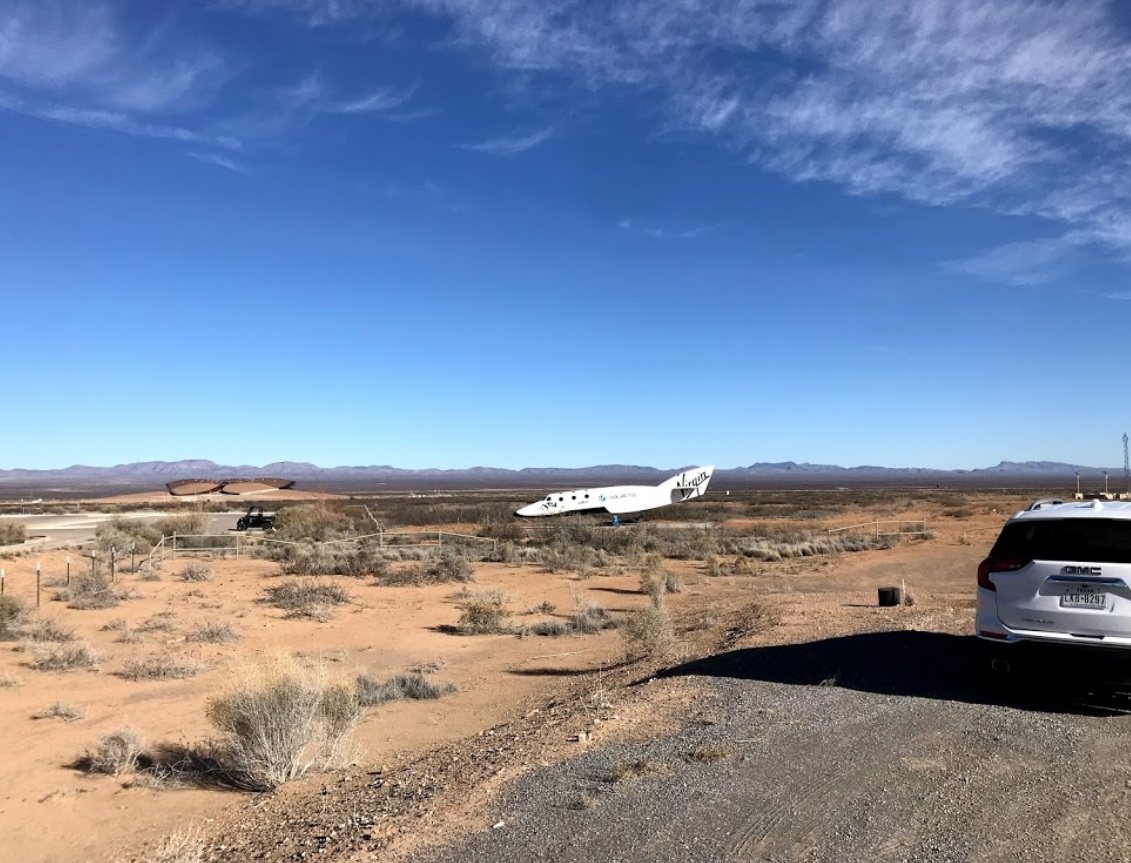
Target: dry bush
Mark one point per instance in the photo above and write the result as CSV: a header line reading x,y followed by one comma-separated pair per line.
x,y
714,565
647,631
60,710
312,522
182,847
484,616
182,524
89,591
162,621
445,567
307,597
13,612
214,632
361,561
115,754
195,572
12,532
549,628
48,630
159,668
9,681
401,686
63,657
588,617
280,719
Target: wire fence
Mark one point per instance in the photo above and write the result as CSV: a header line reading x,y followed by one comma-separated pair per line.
x,y
242,543
885,528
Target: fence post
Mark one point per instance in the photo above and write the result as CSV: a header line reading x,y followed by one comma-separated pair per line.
x,y
68,570
237,546
37,584
174,545
113,560
2,580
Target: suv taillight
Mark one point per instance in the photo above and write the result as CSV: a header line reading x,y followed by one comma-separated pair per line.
x,y
991,565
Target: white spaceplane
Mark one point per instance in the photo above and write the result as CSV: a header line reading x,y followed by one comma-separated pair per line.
x,y
624,499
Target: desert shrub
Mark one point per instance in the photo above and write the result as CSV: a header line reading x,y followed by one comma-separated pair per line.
x,y
195,572
60,710
214,632
588,617
311,522
12,532
63,656
182,524
551,628
398,687
8,681
647,631
363,560
115,754
486,616
159,668
162,621
47,630
673,583
89,590
714,565
307,597
280,719
445,567
13,612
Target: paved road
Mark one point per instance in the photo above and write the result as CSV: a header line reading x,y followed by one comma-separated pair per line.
x,y
897,757
56,531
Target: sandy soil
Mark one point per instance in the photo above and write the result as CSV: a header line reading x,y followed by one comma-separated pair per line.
x,y
52,812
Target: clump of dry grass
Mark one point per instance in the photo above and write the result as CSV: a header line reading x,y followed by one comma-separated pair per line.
x,y
484,616
399,687
116,753
647,631
47,630
12,614
551,628
446,567
181,847
622,770
89,591
707,753
307,597
589,617
162,621
159,668
214,632
8,681
195,572
60,710
280,719
63,656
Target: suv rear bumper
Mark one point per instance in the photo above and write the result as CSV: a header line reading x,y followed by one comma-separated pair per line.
x,y
1059,663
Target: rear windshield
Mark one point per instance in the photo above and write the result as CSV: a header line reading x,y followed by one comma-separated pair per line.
x,y
1091,540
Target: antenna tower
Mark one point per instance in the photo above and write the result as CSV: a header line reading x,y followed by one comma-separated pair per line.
x,y
1126,467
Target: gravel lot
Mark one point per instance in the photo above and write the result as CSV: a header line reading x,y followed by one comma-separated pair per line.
x,y
869,747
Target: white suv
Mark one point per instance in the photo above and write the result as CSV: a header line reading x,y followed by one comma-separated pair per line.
x,y
1058,583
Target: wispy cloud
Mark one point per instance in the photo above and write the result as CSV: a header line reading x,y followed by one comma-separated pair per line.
x,y
1117,295
219,161
511,146
385,99
658,233
1010,105
1027,262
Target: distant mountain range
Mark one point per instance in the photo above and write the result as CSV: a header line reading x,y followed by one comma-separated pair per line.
x,y
160,472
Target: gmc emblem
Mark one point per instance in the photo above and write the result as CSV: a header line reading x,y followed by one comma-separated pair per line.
x,y
1082,570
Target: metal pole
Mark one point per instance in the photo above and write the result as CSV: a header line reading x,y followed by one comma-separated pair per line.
x,y
113,560
174,545
133,557
68,570
37,584
93,555
237,546
2,580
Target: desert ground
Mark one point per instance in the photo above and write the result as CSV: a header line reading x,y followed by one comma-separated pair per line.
x,y
430,774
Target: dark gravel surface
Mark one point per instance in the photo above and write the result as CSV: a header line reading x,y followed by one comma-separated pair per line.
x,y
870,747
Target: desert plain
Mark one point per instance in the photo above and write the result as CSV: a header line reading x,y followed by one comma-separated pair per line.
x,y
531,689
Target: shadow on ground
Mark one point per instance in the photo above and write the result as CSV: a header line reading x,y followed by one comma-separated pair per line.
x,y
919,664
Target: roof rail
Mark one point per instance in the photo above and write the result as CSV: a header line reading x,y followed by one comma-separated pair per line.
x,y
1043,502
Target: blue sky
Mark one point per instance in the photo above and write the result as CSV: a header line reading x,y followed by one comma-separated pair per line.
x,y
549,232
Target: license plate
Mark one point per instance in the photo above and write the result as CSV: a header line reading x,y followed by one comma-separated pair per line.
x,y
1083,596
